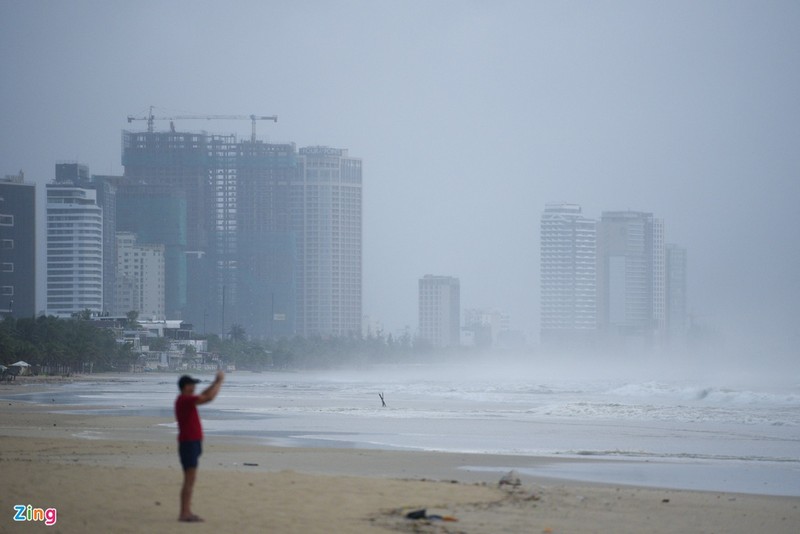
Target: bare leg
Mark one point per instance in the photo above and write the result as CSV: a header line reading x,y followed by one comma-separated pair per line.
x,y
189,476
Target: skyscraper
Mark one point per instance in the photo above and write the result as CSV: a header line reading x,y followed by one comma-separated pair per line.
x,y
178,168
326,219
106,188
568,275
440,310
273,236
631,274
157,215
17,247
267,255
74,250
179,160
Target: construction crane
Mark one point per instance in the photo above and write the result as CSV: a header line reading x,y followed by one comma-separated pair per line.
x,y
252,118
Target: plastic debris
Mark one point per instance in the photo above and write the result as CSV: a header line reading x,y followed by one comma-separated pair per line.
x,y
423,514
417,514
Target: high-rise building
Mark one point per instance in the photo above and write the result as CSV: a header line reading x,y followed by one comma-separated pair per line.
x,y
140,277
17,247
223,236
273,236
179,160
267,252
568,275
74,250
106,188
184,164
157,215
440,310
631,275
326,219
676,280
204,168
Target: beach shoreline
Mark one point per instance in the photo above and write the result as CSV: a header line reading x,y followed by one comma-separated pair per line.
x,y
76,400
120,473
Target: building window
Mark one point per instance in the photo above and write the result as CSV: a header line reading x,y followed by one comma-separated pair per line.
x,y
6,220
7,267
7,244
7,291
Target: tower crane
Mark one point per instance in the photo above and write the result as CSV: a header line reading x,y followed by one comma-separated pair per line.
x,y
252,118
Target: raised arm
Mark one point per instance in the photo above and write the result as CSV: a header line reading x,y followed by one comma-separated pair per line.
x,y
211,391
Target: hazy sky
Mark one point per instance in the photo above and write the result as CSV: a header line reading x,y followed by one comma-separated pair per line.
x,y
469,117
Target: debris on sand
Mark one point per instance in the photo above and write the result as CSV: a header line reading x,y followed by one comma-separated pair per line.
x,y
423,514
510,479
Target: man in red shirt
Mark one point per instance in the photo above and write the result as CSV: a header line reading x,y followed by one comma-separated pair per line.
x,y
190,435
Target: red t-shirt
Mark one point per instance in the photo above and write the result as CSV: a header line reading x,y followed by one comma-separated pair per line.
x,y
189,428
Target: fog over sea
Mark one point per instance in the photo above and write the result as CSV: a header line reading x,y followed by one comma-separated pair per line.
x,y
689,434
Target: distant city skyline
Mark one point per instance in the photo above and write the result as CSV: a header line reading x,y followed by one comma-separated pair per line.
x,y
467,126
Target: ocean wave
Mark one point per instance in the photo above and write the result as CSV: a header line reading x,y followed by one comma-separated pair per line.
x,y
710,394
670,413
678,456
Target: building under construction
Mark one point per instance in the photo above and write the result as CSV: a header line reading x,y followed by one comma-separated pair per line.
x,y
272,235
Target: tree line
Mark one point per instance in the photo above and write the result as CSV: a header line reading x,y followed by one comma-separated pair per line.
x,y
314,352
77,344
61,346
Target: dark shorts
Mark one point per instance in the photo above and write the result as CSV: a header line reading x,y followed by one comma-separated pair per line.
x,y
190,452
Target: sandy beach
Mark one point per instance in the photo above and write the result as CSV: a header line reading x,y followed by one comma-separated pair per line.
x,y
121,474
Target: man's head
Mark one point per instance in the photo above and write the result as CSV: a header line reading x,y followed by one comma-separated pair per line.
x,y
186,384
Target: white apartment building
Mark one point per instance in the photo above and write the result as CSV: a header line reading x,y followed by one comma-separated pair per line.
x,y
74,250
440,310
568,274
140,278
327,221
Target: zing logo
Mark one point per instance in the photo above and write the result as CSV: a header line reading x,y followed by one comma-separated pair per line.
x,y
29,513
